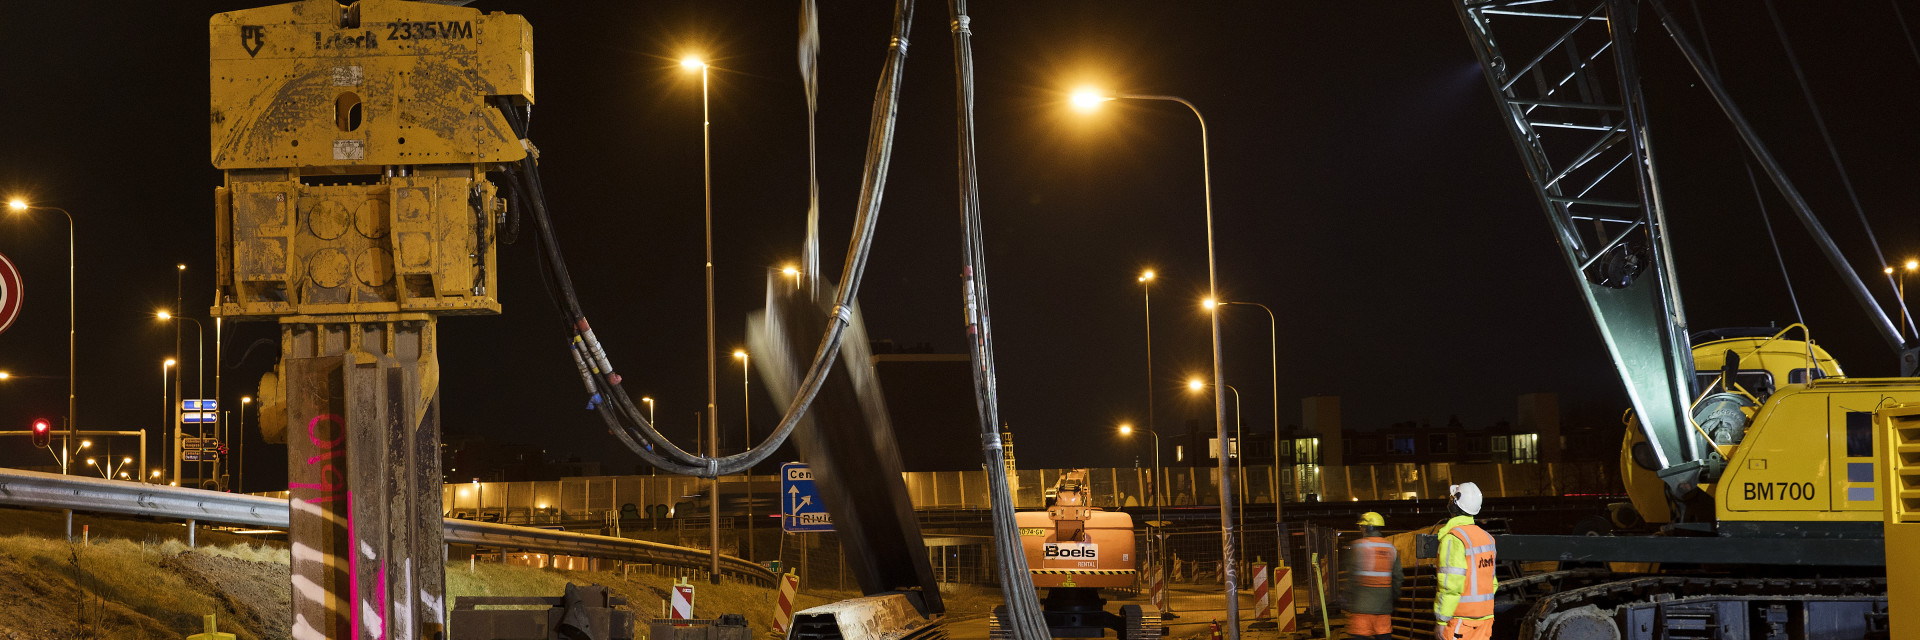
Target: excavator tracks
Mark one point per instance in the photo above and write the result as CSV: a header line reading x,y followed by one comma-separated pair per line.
x,y
1709,608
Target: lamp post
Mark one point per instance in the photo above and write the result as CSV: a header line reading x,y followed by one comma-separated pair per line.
x,y
792,272
1273,355
199,385
1146,303
1087,101
240,446
713,385
73,423
746,420
170,410
1900,295
1127,429
1231,450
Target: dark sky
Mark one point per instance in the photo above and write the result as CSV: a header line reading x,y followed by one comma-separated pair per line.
x,y
1362,188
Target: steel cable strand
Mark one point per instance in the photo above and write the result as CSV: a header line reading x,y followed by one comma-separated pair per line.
x,y
1833,151
1025,619
1713,60
879,156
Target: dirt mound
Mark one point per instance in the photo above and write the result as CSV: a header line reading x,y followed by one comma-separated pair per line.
x,y
255,593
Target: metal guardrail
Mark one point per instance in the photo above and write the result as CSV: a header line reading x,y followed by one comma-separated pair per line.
x,y
46,490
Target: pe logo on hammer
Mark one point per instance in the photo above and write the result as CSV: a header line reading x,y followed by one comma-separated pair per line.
x,y
252,37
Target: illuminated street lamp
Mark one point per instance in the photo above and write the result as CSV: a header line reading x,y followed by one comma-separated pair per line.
x,y
1906,319
792,272
746,419
1230,450
1146,303
713,367
73,422
1127,429
1273,355
199,385
1089,100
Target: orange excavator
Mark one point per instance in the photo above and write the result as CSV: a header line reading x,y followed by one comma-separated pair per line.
x,y
1074,550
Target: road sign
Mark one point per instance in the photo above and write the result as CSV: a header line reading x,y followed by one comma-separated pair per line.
x,y
800,509
12,292
199,455
199,405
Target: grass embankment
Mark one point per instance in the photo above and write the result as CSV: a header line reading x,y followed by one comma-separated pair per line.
x,y
137,579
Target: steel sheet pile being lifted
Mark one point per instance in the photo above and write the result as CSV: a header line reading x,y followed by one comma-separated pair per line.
x,y
857,442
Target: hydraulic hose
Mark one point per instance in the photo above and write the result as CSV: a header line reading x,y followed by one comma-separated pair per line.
x,y
1024,616
623,419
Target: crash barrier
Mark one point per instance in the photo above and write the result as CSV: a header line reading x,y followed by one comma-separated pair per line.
x,y
99,495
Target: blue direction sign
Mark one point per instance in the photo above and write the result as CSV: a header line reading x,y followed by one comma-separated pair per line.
x,y
800,508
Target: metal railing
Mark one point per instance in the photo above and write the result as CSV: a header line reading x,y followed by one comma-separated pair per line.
x,y
52,491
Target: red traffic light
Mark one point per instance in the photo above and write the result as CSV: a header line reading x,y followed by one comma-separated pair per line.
x,y
42,433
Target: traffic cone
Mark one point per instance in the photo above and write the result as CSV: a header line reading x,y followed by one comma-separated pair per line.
x,y
1214,630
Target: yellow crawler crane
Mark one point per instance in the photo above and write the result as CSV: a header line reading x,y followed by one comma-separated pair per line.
x,y
355,141
1752,464
1075,549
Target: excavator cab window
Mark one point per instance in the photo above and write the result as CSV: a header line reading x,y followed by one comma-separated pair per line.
x,y
1804,375
1758,383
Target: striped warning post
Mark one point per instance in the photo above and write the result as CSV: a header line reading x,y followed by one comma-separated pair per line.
x,y
1263,606
1283,597
682,608
1157,590
1080,572
783,609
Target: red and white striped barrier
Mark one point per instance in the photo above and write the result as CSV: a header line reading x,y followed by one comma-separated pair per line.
x,y
1157,591
1262,605
682,608
783,608
1283,597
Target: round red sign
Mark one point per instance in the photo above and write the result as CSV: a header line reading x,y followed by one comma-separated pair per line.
x,y
11,293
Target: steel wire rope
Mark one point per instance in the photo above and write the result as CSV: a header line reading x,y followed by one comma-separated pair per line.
x,y
1713,60
1833,151
1022,598
596,370
1902,18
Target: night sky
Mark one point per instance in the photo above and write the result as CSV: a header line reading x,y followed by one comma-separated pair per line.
x,y
1363,188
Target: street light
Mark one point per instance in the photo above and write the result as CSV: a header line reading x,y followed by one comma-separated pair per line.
x,y
1273,355
792,272
1127,429
649,401
746,419
73,422
199,386
713,367
1146,302
1230,450
240,445
1089,100
167,410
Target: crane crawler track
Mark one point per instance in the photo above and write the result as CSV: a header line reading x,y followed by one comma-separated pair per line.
x,y
1558,615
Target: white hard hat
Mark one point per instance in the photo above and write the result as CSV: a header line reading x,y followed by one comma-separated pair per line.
x,y
1467,496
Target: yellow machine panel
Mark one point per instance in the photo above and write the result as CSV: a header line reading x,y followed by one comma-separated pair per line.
x,y
355,140
376,82
1813,454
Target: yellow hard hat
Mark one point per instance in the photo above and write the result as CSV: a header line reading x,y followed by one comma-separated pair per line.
x,y
1371,519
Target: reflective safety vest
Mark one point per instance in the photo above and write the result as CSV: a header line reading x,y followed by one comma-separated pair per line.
x,y
1476,596
1374,562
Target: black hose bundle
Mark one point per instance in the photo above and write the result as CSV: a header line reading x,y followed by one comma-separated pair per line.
x,y
1023,602
625,420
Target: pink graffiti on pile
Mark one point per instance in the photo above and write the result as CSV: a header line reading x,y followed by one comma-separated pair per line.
x,y
332,487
